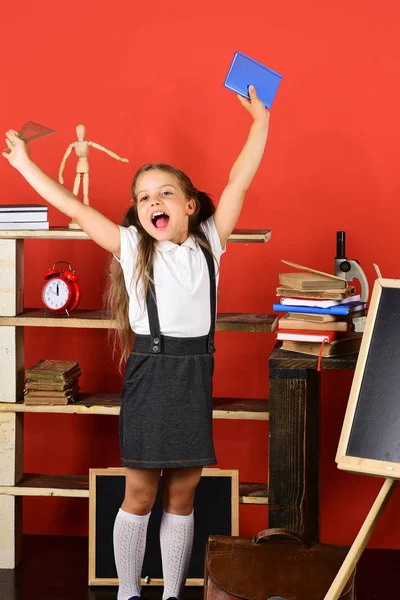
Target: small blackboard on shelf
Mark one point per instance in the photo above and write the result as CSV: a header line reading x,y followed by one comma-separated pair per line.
x,y
370,439
216,510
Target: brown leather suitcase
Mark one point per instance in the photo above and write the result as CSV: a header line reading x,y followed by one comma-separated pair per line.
x,y
272,567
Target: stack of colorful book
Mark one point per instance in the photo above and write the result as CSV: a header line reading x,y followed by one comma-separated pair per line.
x,y
319,311
23,216
52,382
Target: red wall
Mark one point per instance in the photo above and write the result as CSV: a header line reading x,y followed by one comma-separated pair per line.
x,y
146,80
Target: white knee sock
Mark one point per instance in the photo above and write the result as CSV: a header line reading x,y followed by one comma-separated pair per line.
x,y
176,539
130,532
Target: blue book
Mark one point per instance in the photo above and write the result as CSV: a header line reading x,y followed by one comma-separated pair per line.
x,y
342,309
245,71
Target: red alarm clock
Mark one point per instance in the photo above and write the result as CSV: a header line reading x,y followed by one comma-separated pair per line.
x,y
61,292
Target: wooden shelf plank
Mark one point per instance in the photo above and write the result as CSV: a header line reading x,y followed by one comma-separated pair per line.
x,y
87,404
65,486
77,486
246,322
109,404
98,319
64,233
82,319
253,493
240,408
54,233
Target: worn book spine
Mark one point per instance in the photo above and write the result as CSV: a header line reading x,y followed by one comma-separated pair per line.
x,y
52,393
51,366
317,318
51,385
45,400
349,345
47,377
311,281
321,295
59,371
287,323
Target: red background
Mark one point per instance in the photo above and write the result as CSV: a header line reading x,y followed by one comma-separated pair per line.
x,y
146,80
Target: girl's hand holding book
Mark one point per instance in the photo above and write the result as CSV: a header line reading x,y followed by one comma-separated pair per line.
x,y
255,107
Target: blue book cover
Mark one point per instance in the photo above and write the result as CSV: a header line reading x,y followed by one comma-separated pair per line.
x,y
245,71
343,309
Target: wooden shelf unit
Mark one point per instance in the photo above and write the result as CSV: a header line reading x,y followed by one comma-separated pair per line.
x,y
14,484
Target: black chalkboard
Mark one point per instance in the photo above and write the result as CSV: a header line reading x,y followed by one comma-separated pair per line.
x,y
371,428
376,426
213,516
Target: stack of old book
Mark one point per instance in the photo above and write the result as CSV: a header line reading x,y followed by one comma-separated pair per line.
x,y
319,312
52,382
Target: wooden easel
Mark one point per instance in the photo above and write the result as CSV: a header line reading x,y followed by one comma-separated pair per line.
x,y
361,540
370,522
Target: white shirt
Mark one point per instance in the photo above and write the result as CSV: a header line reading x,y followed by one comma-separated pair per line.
x,y
181,280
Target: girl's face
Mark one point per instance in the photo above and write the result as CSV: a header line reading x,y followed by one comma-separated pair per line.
x,y
163,209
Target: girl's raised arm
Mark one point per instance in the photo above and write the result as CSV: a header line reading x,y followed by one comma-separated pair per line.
x,y
244,168
100,229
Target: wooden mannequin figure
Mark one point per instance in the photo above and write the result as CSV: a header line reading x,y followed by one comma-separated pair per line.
x,y
81,147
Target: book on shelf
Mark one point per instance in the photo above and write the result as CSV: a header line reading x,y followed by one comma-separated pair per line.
x,y
300,324
341,309
318,303
25,226
44,396
4,208
310,279
53,370
57,400
56,386
317,318
347,345
23,217
69,392
308,336
317,295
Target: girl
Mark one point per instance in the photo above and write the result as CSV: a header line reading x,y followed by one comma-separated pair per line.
x,y
163,287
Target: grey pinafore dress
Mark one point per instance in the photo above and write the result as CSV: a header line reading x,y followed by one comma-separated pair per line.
x,y
166,399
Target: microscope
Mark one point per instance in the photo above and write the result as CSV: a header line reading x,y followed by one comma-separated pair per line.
x,y
349,269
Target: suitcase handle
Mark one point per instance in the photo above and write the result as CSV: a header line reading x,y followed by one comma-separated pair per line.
x,y
278,531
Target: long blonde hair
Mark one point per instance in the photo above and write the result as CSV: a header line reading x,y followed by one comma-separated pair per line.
x,y
116,296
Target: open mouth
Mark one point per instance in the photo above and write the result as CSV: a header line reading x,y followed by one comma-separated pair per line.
x,y
160,220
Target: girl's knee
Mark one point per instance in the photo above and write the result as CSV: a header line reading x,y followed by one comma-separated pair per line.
x,y
138,500
178,499
140,494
